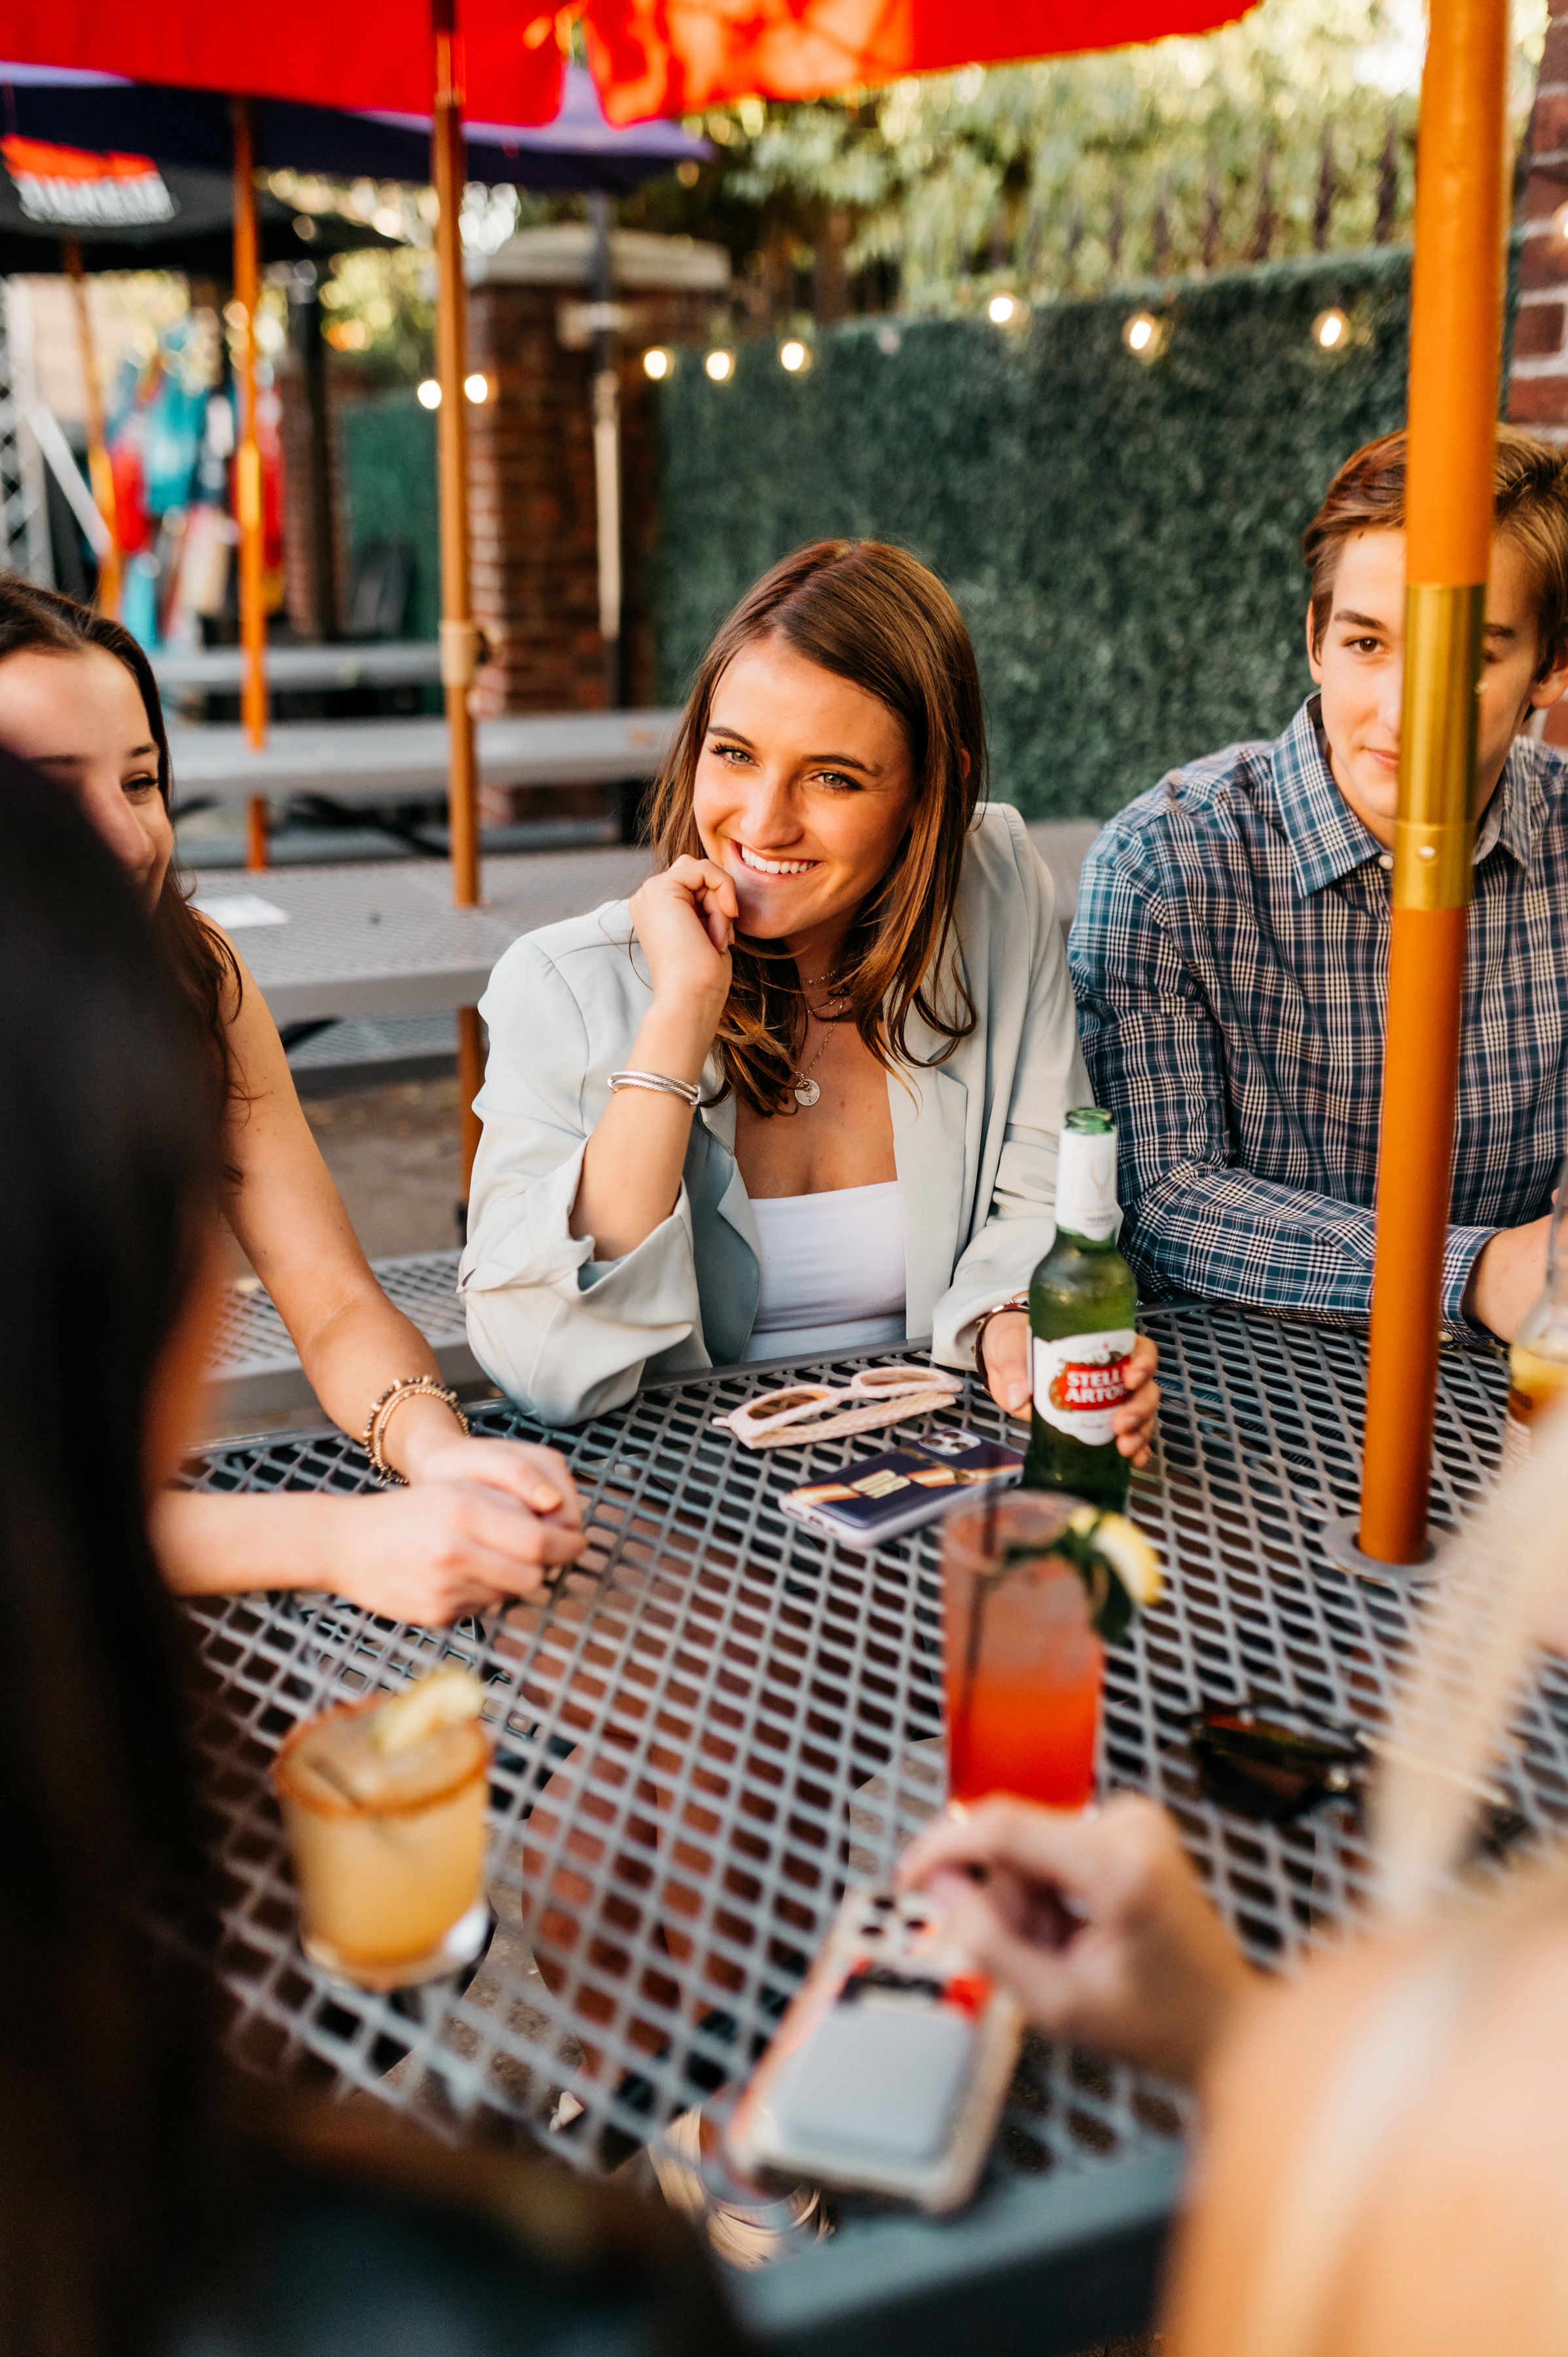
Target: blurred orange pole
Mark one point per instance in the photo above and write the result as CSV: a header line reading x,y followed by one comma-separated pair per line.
x,y
248,469
459,638
99,473
1455,333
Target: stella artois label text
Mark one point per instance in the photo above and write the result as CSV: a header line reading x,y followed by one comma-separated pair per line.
x,y
1079,1379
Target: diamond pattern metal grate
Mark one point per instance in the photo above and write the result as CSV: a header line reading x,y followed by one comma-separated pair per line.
x,y
719,1717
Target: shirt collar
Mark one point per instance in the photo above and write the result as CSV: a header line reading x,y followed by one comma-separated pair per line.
x,y
1327,841
1514,814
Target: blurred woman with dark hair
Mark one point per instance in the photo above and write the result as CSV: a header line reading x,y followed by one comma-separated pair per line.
x,y
143,2204
480,1519
803,1095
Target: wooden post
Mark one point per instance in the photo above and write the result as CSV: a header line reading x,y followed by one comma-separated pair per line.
x,y
99,473
248,469
1455,331
459,638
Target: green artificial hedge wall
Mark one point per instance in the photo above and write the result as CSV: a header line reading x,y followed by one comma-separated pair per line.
x,y
1123,537
388,451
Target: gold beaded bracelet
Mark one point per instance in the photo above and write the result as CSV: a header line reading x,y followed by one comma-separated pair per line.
x,y
373,1439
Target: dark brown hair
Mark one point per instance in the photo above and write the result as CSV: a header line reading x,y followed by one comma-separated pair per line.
x,y
1531,496
875,615
46,621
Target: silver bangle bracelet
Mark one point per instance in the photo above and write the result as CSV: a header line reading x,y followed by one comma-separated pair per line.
x,y
661,1083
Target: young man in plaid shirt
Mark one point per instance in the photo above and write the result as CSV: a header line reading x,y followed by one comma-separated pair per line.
x,y
1231,944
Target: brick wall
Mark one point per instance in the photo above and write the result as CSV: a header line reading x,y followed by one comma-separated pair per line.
x,y
1539,396
533,510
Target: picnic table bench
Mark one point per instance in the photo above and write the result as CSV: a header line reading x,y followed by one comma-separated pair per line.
x,y
366,763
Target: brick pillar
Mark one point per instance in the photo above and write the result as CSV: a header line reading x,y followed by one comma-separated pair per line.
x,y
1538,396
1538,390
531,468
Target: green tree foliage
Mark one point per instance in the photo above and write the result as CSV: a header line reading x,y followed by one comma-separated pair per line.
x,y
1291,130
1123,536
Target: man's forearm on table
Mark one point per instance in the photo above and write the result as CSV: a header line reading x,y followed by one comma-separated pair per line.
x,y
1228,1236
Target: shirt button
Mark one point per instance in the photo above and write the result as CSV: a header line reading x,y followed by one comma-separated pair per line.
x,y
1385,859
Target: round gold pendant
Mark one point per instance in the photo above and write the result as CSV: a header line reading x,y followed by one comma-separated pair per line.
x,y
806,1092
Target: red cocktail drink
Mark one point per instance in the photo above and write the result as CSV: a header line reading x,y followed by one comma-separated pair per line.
x,y
1024,1664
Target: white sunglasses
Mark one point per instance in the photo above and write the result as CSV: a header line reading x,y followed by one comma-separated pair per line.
x,y
807,1411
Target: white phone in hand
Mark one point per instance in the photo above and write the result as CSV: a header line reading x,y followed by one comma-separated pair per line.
x,y
890,2068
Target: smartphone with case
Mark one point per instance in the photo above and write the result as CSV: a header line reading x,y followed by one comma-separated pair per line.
x,y
889,2070
877,1498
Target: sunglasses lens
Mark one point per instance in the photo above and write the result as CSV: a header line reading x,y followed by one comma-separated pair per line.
x,y
778,1403
1268,1773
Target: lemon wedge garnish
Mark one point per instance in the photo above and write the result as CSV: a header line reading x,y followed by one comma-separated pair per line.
x,y
1124,1548
446,1698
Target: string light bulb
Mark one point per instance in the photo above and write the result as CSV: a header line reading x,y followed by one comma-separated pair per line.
x,y
429,393
656,363
720,366
793,356
477,387
1330,330
1145,336
1001,310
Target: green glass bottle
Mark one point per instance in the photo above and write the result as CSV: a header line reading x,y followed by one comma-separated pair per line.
x,y
1083,1300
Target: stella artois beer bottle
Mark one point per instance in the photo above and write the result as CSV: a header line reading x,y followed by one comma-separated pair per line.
x,y
1538,1363
1082,1303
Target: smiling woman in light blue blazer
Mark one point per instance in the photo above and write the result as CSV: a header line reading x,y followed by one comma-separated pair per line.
x,y
802,1093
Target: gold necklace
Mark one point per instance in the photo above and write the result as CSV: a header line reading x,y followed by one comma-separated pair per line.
x,y
807,1091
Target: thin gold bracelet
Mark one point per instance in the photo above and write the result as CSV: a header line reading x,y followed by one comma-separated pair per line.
x,y
372,1440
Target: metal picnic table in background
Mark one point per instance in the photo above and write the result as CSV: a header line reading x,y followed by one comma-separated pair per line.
x,y
373,662
364,762
720,1717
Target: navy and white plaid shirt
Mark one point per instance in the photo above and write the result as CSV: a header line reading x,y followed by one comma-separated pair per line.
x,y
1231,956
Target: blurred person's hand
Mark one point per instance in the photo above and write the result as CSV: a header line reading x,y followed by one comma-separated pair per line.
x,y
1007,1379
1098,1925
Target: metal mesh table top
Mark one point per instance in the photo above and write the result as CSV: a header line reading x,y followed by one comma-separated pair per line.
x,y
720,1716
384,937
253,1366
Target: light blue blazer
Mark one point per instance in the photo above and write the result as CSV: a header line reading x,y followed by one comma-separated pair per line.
x,y
974,1141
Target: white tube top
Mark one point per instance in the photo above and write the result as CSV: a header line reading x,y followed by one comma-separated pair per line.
x,y
833,1272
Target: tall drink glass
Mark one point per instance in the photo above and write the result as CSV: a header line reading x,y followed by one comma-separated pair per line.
x,y
1024,1663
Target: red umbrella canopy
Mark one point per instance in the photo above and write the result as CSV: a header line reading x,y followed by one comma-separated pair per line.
x,y
353,53
675,57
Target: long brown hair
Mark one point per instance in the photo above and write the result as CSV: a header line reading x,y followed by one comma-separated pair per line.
x,y
48,622
875,615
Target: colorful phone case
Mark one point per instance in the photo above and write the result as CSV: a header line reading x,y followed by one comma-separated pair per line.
x,y
877,1498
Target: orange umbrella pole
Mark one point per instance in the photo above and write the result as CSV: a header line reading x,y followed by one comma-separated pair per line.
x,y
459,638
101,475
1455,331
248,467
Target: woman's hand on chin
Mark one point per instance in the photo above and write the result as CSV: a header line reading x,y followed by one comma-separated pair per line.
x,y
1007,1379
431,1552
685,918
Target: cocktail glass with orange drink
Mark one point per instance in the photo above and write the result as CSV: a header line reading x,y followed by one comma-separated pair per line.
x,y
384,1805
1036,1581
1024,1664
